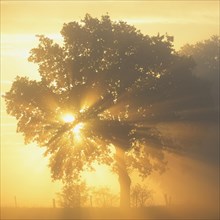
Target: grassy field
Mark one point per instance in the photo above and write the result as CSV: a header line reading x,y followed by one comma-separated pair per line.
x,y
108,213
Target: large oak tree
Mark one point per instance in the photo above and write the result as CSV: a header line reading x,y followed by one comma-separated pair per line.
x,y
116,84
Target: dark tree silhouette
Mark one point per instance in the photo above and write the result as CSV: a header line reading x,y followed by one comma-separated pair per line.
x,y
118,84
206,56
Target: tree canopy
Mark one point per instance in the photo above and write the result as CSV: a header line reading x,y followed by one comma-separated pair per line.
x,y
117,84
206,56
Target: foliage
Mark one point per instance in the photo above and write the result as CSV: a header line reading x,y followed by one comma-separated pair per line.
x,y
73,195
81,195
103,197
206,56
141,196
116,81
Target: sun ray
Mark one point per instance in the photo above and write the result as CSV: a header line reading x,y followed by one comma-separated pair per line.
x,y
77,131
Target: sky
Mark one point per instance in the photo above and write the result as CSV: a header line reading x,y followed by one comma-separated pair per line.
x,y
24,171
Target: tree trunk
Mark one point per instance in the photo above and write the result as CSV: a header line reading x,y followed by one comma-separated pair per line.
x,y
124,179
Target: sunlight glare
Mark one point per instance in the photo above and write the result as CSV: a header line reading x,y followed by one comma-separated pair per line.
x,y
68,118
77,131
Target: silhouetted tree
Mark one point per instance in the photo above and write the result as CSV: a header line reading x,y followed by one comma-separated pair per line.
x,y
206,56
73,195
118,84
103,197
140,195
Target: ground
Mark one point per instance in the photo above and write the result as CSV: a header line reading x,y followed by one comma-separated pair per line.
x,y
155,212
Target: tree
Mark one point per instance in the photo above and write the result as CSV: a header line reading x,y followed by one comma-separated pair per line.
x,y
79,195
116,84
73,195
140,195
103,197
206,56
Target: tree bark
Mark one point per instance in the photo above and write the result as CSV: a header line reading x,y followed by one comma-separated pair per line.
x,y
124,179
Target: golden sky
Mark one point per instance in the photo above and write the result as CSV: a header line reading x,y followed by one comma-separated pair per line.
x,y
23,169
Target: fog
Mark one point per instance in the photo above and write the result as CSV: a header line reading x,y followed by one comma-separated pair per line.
x,y
189,186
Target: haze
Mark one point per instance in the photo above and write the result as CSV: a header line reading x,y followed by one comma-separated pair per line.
x,y
24,171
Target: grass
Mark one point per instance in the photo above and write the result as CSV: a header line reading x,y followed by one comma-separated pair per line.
x,y
154,212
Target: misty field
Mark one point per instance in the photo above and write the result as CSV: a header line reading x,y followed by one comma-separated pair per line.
x,y
121,122
154,212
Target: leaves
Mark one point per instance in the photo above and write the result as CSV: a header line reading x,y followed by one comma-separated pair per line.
x,y
116,81
140,195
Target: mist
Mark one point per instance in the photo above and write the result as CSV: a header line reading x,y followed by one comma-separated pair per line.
x,y
101,119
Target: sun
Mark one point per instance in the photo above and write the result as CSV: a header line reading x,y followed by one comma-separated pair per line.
x,y
76,129
68,118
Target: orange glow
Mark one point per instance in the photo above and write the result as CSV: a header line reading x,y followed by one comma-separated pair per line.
x,y
68,118
102,176
24,171
77,131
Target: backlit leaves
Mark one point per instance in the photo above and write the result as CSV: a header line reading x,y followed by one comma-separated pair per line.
x,y
116,81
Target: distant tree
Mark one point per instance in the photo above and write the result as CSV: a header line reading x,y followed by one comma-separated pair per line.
x,y
206,56
141,196
79,195
117,85
103,197
73,195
